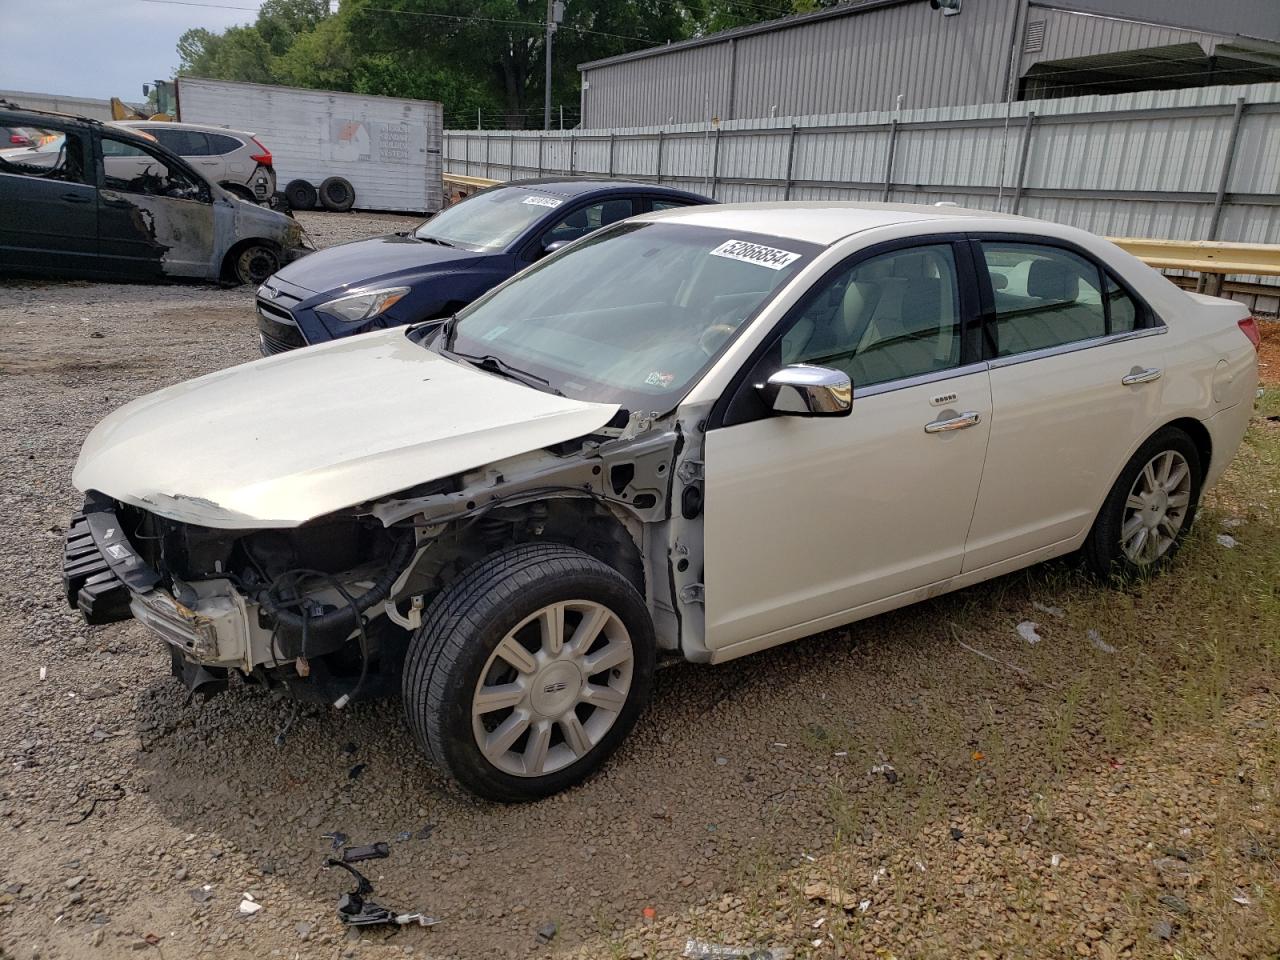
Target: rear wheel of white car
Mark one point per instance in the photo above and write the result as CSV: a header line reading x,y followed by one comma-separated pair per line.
x,y
254,263
1150,510
528,671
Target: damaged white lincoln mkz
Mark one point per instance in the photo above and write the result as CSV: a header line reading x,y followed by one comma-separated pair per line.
x,y
696,433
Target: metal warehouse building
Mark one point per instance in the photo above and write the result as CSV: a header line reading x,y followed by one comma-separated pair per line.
x,y
866,54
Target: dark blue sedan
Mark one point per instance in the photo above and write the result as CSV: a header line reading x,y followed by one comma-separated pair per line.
x,y
447,262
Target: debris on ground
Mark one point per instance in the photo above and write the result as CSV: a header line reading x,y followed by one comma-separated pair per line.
x,y
702,950
547,932
1027,631
1099,644
886,769
986,656
370,851
1174,903
355,911
1242,899
117,793
830,893
44,673
202,894
355,771
1056,612
957,833
1164,930
338,839
248,906
1228,541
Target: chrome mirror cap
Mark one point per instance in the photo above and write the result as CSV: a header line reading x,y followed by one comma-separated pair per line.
x,y
801,390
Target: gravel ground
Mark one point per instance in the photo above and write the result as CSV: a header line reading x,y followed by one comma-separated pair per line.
x,y
1109,798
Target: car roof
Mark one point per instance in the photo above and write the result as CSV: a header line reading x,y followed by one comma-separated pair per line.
x,y
823,221
581,186
202,127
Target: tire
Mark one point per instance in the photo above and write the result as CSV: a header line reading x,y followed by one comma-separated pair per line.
x,y
1107,550
300,194
337,194
503,600
253,263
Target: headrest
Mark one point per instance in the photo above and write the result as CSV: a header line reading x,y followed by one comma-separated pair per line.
x,y
1053,280
577,220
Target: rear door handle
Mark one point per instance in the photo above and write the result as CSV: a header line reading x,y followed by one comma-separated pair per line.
x,y
1142,376
961,422
76,198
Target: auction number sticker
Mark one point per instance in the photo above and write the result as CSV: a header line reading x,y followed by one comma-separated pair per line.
x,y
543,201
761,256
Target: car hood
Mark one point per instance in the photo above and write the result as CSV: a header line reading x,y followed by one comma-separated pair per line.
x,y
283,440
367,261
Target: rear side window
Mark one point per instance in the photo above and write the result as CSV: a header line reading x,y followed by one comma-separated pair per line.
x,y
1047,297
185,143
220,144
656,205
61,158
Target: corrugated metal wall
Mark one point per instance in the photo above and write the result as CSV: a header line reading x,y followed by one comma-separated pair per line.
x,y
1138,164
851,61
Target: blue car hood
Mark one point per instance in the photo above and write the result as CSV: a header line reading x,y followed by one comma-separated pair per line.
x,y
366,262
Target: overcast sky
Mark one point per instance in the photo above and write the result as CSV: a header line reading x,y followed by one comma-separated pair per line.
x,y
100,48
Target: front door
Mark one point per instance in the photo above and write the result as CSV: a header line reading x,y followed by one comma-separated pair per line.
x,y
811,518
155,217
1075,382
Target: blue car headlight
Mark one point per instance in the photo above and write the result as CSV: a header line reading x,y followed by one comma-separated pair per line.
x,y
363,304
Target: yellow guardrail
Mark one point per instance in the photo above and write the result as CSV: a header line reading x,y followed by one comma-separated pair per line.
x,y
1205,256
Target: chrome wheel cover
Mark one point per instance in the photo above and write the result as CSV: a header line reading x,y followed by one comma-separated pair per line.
x,y
1156,509
552,688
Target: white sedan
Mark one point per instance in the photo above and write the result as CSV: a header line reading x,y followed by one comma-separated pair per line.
x,y
697,433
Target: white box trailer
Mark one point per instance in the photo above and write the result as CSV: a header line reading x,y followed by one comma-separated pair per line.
x,y
388,148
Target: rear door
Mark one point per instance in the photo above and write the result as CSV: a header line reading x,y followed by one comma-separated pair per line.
x,y
1076,363
193,146
155,216
49,208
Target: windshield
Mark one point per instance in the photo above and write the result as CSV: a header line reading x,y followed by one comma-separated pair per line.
x,y
629,315
489,220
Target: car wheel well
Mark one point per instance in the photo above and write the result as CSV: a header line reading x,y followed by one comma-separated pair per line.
x,y
229,261
580,522
1199,435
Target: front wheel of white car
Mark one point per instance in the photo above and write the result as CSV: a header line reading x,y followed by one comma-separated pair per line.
x,y
528,671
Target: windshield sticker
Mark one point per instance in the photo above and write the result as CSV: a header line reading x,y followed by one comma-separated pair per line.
x,y
659,379
761,256
543,201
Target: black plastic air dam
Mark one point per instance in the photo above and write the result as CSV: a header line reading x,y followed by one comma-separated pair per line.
x,y
330,630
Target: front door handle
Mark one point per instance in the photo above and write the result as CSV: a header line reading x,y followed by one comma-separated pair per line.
x,y
1141,376
953,423
76,198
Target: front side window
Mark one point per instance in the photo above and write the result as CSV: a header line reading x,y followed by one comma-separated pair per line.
x,y
489,220
893,316
61,158
1048,297
631,315
133,169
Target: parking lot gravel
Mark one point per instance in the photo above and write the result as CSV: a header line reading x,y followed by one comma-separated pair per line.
x,y
1055,800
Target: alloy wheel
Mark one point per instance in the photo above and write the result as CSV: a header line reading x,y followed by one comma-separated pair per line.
x,y
1156,508
552,688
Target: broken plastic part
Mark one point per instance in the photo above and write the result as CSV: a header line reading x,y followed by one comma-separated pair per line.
x,y
371,851
355,911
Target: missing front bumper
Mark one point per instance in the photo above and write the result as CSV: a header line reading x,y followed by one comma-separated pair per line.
x,y
100,570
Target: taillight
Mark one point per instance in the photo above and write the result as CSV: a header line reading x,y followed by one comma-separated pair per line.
x,y
1249,325
19,139
264,157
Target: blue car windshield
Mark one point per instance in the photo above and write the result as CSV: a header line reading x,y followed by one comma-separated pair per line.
x,y
632,314
489,220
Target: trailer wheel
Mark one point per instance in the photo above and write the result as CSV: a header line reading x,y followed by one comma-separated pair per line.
x,y
337,194
300,194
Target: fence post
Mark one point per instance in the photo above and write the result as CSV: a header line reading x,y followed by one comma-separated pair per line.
x,y
660,138
791,159
1225,176
573,150
511,157
487,142
611,136
1022,161
540,139
888,167
715,163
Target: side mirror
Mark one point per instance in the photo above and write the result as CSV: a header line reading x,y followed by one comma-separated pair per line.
x,y
801,390
553,246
